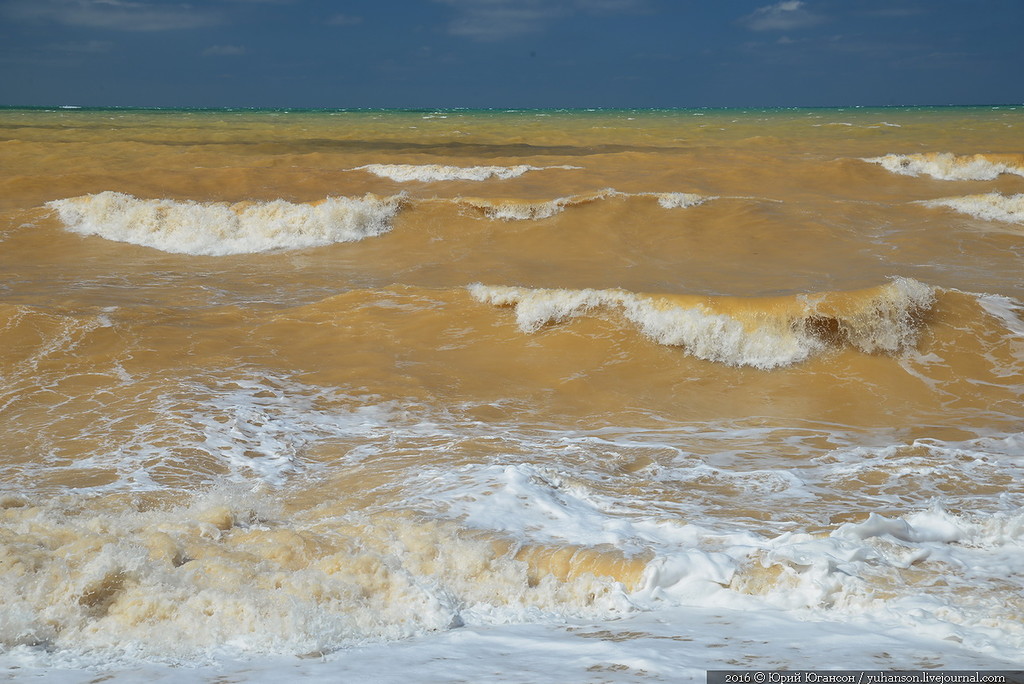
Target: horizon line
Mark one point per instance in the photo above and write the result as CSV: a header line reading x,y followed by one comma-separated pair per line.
x,y
509,109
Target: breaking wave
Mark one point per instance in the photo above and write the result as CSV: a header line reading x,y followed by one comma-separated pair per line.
x,y
520,210
227,572
948,166
219,228
430,173
988,207
765,333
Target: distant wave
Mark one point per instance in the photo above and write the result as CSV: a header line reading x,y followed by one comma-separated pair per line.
x,y
216,229
677,200
988,207
760,332
523,210
947,166
429,173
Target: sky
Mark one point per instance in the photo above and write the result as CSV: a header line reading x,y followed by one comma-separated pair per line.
x,y
510,53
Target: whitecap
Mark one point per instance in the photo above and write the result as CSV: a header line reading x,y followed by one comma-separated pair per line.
x,y
988,207
765,334
430,173
946,166
216,229
519,210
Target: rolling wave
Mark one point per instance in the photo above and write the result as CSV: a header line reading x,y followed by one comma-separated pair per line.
x,y
226,571
217,229
948,166
221,229
760,332
988,207
524,210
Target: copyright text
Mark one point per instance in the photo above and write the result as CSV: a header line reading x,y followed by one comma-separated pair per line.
x,y
864,677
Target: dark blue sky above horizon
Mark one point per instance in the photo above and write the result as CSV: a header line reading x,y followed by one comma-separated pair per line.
x,y
511,53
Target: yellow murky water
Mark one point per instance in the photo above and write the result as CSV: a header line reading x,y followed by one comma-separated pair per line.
x,y
346,375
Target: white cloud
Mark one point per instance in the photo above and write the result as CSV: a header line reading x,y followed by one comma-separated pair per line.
x,y
497,19
344,20
610,6
896,12
782,16
224,51
84,48
115,15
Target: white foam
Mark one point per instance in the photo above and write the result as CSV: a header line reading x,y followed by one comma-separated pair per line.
x,y
531,502
217,229
432,173
988,207
261,427
680,200
937,526
677,645
243,429
538,505
946,166
880,570
766,341
1006,309
233,574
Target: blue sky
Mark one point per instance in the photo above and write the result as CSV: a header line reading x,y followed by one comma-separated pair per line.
x,y
511,53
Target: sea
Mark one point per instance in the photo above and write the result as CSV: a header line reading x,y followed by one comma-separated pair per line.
x,y
505,396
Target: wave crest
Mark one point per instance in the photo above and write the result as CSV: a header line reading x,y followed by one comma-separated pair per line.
x,y
678,200
989,207
519,210
765,333
183,583
948,166
217,229
431,173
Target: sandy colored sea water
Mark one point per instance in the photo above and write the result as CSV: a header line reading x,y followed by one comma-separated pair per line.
x,y
505,396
